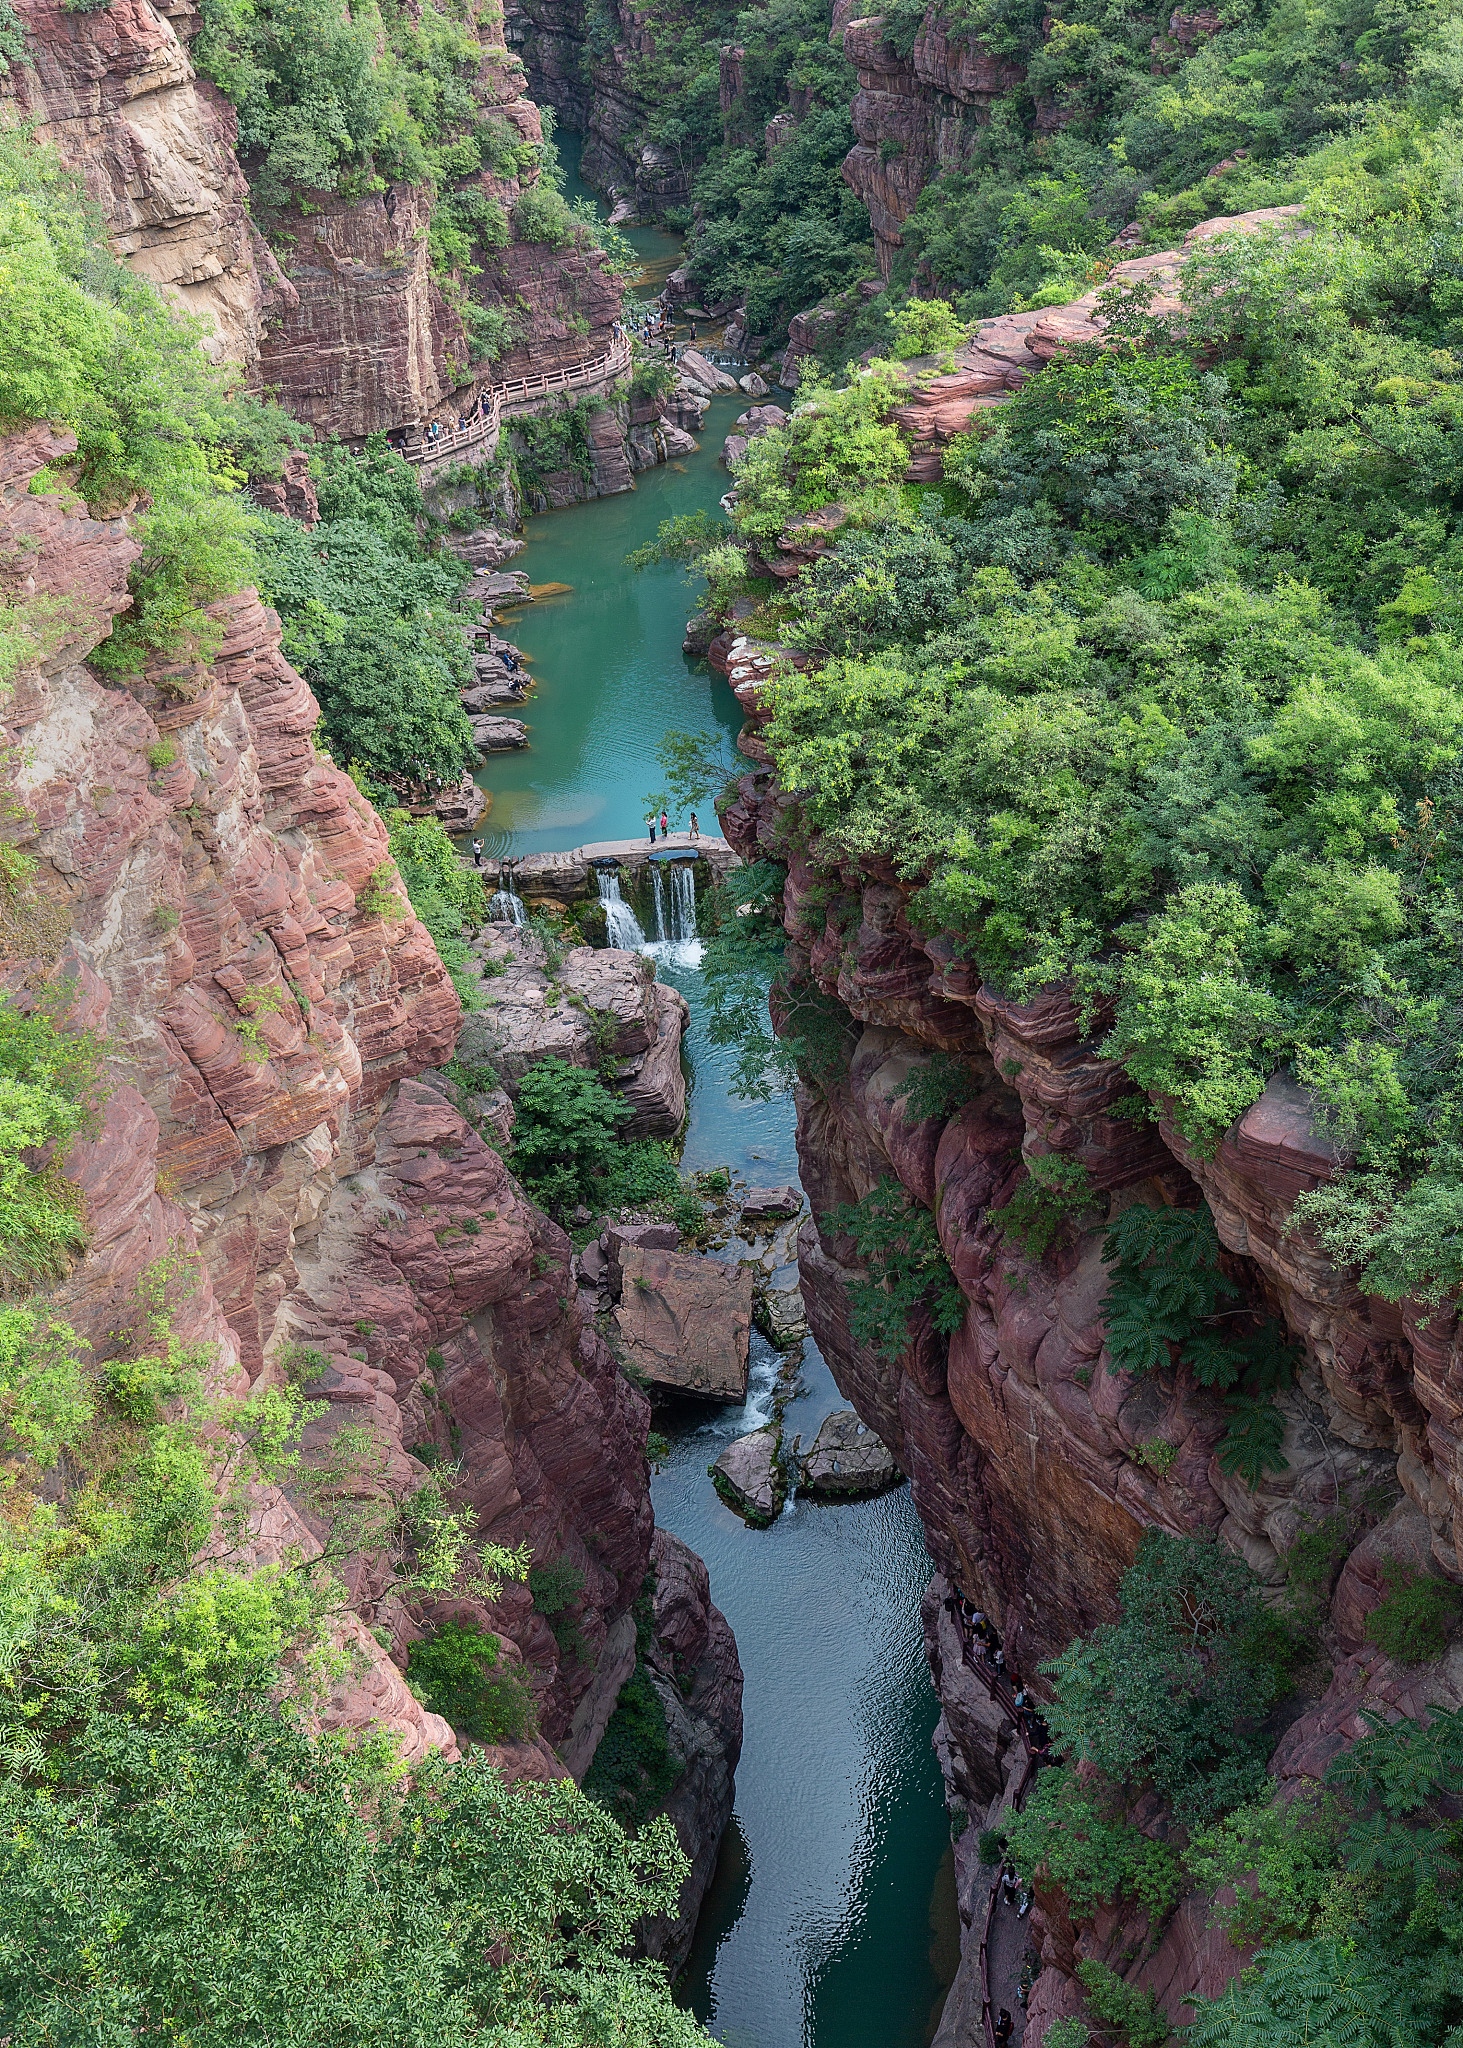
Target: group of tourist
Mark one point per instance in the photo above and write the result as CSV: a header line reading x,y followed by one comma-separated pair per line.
x,y
978,1638
976,1630
664,823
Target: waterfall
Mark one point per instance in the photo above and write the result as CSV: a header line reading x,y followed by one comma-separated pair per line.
x,y
673,917
622,926
506,908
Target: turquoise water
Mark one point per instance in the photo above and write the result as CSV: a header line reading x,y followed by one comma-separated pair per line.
x,y
831,1920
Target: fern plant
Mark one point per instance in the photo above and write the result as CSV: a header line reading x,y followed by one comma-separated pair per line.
x,y
1167,1302
897,1241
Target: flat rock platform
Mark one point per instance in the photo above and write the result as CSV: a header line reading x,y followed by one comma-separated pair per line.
x,y
569,876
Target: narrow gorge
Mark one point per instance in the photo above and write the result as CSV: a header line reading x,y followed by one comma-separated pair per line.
x,y
729,1170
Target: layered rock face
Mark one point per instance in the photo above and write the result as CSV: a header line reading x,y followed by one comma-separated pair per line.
x,y
1030,1457
584,69
227,910
334,307
116,95
915,116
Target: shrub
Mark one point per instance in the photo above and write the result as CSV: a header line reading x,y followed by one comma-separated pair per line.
x,y
1136,2015
542,215
1415,1618
897,1240
1175,1689
1080,1840
1055,1188
50,1083
927,327
455,1671
634,1768
565,1132
1279,1861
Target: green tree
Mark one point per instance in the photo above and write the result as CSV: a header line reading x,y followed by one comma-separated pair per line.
x,y
226,1885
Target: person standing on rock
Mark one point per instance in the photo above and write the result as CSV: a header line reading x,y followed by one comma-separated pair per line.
x,y
1003,2028
651,823
665,826
477,851
695,828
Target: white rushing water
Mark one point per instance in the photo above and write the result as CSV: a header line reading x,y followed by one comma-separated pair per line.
x,y
622,926
506,908
673,917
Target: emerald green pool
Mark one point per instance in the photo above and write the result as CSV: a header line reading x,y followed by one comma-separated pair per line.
x,y
831,1923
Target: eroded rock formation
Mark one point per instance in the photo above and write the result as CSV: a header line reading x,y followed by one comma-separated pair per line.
x,y
1035,1464
222,897
332,303
115,93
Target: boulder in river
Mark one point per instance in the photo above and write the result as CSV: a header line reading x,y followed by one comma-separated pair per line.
x,y
753,385
781,1317
763,1206
686,1322
700,371
492,735
847,1461
748,1476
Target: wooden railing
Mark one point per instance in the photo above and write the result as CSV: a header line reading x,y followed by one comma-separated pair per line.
x,y
519,391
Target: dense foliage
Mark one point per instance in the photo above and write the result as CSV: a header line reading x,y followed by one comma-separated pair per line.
x,y
343,100
457,1671
1114,737
224,1885
1353,1890
1104,123
370,619
772,224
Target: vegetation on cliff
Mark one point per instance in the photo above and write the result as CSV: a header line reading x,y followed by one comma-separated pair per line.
x,y
1160,694
184,1851
1110,124
1353,1891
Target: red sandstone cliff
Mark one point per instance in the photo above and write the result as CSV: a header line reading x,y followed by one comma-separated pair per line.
x,y
1020,1439
333,305
194,849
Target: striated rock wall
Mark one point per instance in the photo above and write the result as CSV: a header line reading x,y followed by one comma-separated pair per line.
x,y
115,94
915,116
585,69
1027,1451
216,888
331,305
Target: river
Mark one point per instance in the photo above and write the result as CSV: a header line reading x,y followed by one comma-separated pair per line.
x,y
831,1922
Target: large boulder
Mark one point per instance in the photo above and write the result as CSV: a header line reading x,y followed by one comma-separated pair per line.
x,y
847,1461
686,1323
699,370
617,1007
748,1476
491,735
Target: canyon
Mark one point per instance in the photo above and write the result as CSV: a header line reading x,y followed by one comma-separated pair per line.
x,y
280,1134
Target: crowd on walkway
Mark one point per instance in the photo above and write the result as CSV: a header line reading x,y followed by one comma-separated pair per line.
x,y
982,1651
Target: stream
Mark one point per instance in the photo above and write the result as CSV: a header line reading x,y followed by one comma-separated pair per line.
x,y
831,1921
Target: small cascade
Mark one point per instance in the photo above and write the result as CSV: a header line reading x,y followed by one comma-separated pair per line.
x,y
673,914
622,926
506,908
